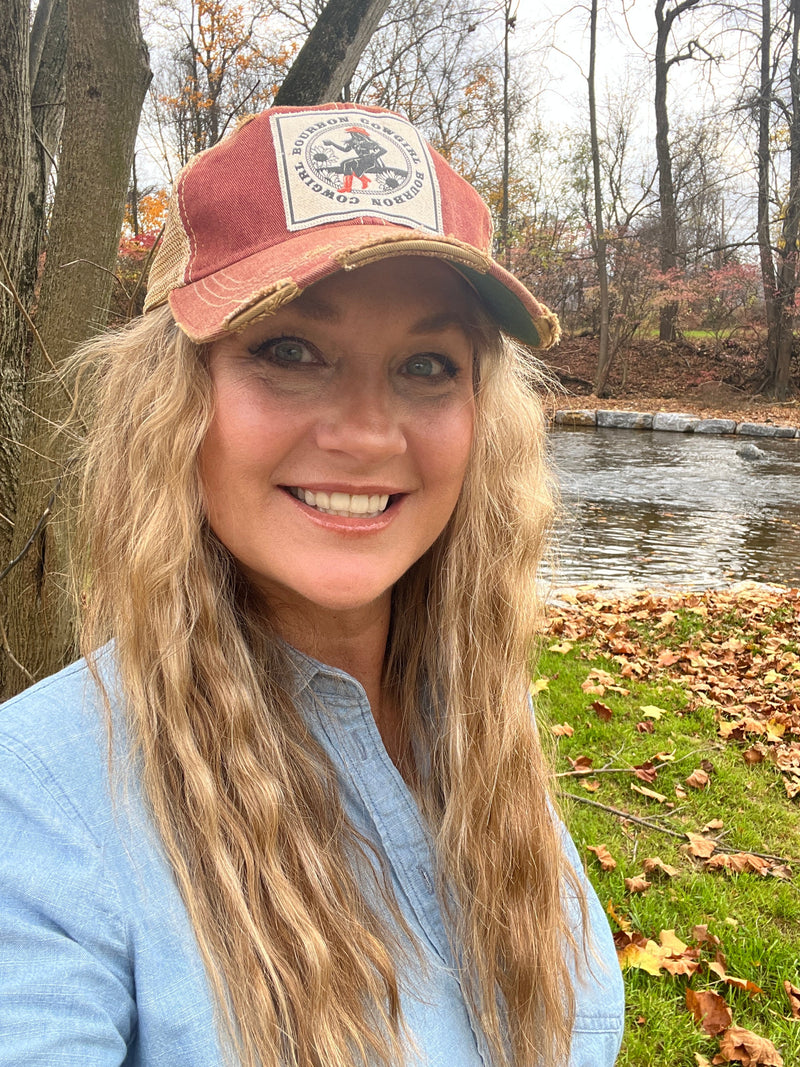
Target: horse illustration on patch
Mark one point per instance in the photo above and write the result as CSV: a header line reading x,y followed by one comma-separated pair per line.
x,y
351,164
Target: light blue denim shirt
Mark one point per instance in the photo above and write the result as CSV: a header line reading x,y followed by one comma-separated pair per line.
x,y
98,961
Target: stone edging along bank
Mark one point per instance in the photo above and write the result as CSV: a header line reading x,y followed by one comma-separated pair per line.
x,y
674,421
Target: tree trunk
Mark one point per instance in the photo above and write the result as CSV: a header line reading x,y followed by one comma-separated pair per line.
x,y
789,249
768,278
106,78
31,112
507,28
330,55
17,180
668,241
604,356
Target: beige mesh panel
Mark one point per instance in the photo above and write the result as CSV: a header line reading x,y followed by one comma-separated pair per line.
x,y
169,266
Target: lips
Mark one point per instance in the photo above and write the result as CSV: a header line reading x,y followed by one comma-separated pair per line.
x,y
344,505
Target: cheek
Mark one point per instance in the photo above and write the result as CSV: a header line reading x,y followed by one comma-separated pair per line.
x,y
448,446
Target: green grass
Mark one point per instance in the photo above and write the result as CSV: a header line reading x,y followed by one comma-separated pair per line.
x,y
757,919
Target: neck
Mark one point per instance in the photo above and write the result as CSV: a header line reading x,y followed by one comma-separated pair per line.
x,y
354,642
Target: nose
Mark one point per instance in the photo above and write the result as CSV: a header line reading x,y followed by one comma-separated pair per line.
x,y
362,420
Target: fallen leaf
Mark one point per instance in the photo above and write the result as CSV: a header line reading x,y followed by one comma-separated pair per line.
x,y
701,935
644,958
562,729
655,865
563,647
623,923
607,861
604,712
701,1060
648,793
698,779
793,993
743,1046
539,686
700,846
672,943
646,772
637,884
666,659
718,968
645,728
709,1009
713,824
782,871
590,785
650,711
680,792
582,763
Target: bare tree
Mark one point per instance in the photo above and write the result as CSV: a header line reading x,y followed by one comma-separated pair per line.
x,y
329,57
665,21
104,84
598,230
779,94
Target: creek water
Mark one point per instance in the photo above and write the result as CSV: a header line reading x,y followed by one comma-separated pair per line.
x,y
673,509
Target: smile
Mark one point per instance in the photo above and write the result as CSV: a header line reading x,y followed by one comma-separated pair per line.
x,y
345,505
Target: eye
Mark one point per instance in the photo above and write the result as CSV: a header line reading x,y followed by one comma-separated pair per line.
x,y
286,351
428,365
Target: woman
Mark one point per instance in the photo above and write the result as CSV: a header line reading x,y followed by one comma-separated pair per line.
x,y
296,812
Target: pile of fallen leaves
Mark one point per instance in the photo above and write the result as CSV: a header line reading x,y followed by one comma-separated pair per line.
x,y
742,658
736,652
704,957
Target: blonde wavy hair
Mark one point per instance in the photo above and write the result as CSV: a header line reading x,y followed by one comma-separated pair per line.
x,y
304,971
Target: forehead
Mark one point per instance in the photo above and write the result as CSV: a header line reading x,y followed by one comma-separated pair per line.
x,y
428,293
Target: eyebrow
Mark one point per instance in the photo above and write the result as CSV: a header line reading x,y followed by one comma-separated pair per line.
x,y
439,322
313,307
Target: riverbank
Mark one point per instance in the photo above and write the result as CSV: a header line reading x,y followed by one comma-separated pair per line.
x,y
709,381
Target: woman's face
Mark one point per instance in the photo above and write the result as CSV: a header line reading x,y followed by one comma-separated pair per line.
x,y
341,433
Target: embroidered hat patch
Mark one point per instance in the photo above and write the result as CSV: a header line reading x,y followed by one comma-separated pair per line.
x,y
350,164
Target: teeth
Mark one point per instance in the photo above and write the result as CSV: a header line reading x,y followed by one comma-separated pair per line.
x,y
345,505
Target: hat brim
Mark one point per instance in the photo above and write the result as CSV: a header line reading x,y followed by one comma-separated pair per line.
x,y
257,286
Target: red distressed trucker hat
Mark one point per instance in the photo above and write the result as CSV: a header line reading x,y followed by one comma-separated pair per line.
x,y
296,194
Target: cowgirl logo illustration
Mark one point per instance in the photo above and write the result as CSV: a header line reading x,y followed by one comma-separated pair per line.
x,y
341,168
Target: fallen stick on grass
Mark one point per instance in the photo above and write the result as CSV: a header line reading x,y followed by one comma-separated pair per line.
x,y
666,830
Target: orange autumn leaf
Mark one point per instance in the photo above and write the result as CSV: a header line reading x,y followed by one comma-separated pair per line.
x,y
623,923
603,711
590,785
645,772
753,755
655,865
607,861
709,1009
743,1046
582,763
698,779
701,935
637,884
671,943
562,729
718,967
700,846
